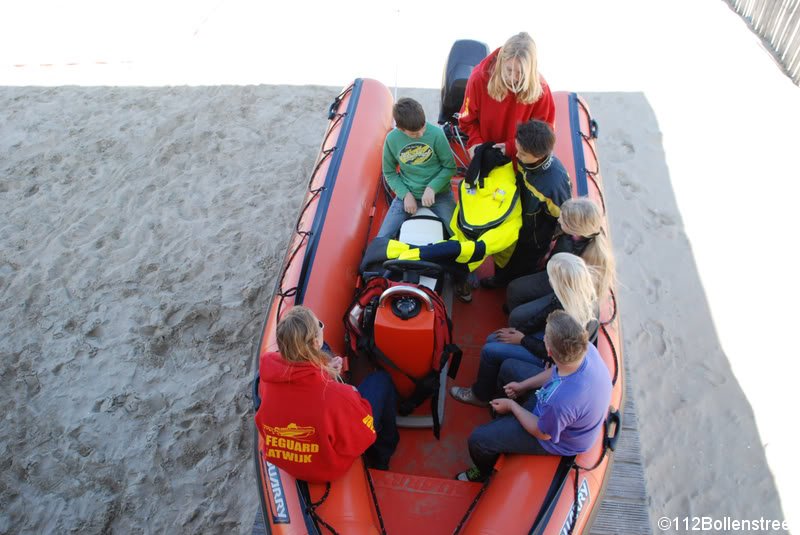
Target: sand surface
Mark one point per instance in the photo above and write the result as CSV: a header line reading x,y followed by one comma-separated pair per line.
x,y
144,221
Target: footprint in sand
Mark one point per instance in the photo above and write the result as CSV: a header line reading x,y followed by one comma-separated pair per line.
x,y
652,339
630,188
653,290
622,149
631,239
712,376
656,219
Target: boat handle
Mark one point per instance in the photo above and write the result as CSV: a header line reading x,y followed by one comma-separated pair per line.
x,y
406,290
615,420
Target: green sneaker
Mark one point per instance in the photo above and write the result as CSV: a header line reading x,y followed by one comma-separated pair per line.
x,y
472,474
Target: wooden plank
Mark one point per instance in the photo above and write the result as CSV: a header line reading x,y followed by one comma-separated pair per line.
x,y
627,482
258,526
778,23
789,31
629,450
621,518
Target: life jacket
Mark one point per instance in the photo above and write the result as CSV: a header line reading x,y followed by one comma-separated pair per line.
x,y
412,343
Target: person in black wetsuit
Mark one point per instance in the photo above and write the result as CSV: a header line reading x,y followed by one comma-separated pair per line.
x,y
544,185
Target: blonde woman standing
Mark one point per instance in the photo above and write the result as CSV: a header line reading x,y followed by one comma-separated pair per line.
x,y
314,425
573,292
580,232
504,90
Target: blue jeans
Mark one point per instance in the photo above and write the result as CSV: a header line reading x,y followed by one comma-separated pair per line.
x,y
493,354
379,390
505,434
443,206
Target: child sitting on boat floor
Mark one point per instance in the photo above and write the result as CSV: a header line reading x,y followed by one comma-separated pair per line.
x,y
564,415
418,165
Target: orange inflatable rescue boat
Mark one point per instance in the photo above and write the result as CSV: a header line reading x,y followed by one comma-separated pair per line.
x,y
343,208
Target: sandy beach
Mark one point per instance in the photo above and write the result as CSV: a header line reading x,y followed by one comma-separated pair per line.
x,y
149,187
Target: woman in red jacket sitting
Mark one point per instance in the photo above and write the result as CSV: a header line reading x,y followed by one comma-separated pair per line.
x,y
504,90
314,425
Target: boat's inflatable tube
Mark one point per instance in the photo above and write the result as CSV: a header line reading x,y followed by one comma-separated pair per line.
x,y
320,271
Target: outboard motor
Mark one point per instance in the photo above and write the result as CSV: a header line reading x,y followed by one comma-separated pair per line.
x,y
465,54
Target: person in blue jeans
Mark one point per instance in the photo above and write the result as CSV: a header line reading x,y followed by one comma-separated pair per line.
x,y
379,390
418,165
573,291
565,414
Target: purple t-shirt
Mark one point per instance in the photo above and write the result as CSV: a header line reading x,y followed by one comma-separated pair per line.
x,y
572,409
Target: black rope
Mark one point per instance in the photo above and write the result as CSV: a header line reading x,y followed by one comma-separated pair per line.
x,y
304,234
578,468
586,110
472,506
575,510
614,302
375,499
613,352
312,510
599,191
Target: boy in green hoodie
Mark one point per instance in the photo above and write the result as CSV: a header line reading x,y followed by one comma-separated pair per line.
x,y
418,165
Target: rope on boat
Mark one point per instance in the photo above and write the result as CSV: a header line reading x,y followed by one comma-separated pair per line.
x,y
578,468
335,118
473,505
614,302
592,174
312,510
587,140
375,499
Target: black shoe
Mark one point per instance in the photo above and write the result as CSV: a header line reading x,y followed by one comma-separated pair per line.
x,y
491,283
463,291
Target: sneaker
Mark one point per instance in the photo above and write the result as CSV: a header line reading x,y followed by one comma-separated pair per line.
x,y
471,474
464,394
463,291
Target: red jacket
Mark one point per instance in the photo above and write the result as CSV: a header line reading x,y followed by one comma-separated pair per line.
x,y
312,426
485,119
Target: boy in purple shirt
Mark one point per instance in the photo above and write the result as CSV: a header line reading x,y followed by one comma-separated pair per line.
x,y
565,414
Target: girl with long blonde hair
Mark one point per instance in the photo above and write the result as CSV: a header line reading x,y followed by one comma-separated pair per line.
x,y
504,90
573,292
312,424
581,233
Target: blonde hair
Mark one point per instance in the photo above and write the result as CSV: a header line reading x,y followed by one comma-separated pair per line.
x,y
522,48
581,217
573,284
297,334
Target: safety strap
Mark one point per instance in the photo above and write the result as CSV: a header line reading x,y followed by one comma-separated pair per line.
x,y
427,386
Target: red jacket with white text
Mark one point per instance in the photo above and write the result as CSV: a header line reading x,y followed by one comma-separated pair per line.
x,y
485,119
312,426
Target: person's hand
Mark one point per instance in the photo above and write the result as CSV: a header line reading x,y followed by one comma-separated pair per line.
x,y
509,335
410,203
336,364
429,197
514,390
502,405
501,146
471,151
